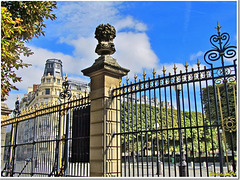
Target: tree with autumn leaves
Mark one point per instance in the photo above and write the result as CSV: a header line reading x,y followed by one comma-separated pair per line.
x,y
21,21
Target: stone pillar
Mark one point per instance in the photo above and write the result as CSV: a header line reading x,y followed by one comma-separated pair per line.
x,y
105,74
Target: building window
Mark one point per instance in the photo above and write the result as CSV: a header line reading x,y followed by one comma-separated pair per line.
x,y
47,91
58,81
48,80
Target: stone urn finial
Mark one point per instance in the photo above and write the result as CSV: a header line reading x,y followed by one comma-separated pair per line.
x,y
105,33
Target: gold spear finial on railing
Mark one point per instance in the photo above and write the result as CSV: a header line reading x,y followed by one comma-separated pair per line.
x,y
154,72
17,97
198,63
120,82
127,79
135,77
175,68
144,75
186,66
164,70
218,27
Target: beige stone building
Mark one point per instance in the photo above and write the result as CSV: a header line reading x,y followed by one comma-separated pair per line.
x,y
51,86
47,91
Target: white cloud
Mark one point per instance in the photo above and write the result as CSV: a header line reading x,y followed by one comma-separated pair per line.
x,y
75,26
133,51
129,22
84,16
196,55
85,49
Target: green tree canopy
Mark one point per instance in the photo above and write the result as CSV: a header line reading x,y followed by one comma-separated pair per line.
x,y
20,22
140,121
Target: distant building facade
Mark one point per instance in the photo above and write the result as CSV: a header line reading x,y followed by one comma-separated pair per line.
x,y
47,91
51,86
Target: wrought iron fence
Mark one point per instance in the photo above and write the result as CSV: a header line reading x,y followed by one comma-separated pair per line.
x,y
179,124
45,141
174,124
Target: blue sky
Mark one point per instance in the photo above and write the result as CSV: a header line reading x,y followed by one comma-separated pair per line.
x,y
150,34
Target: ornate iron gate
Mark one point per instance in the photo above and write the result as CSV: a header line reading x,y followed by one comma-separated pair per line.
x,y
181,124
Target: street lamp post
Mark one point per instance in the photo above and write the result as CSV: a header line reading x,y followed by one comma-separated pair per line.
x,y
182,163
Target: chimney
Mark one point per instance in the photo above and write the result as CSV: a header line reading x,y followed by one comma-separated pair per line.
x,y
35,87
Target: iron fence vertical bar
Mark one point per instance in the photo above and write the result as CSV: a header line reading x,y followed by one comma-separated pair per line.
x,y
66,171
179,130
132,132
128,122
58,141
117,131
161,120
196,112
14,148
80,141
146,124
124,124
34,123
210,120
141,120
150,109
190,117
45,160
51,138
77,141
70,142
156,126
136,110
217,118
184,120
83,140
204,123
120,136
45,145
168,143
166,109
9,151
173,131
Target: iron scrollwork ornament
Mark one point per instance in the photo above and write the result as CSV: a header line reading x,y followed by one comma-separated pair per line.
x,y
221,48
230,124
66,91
